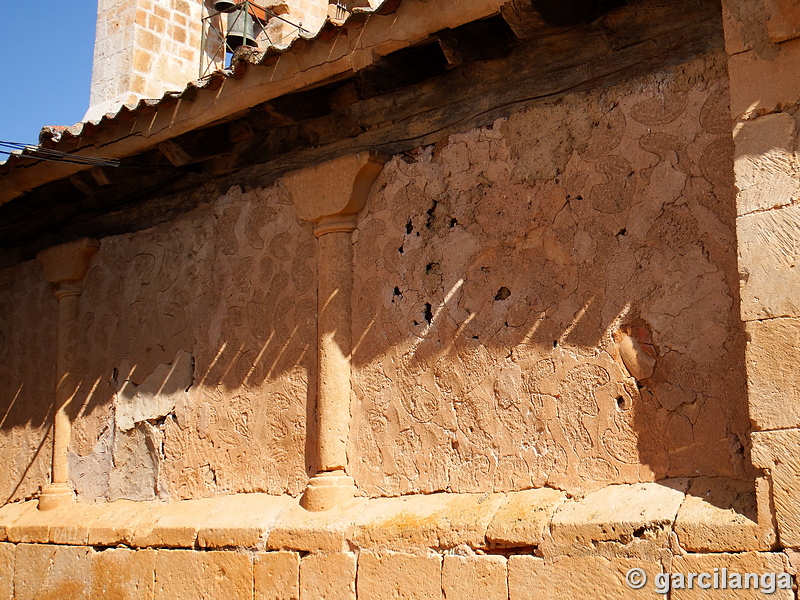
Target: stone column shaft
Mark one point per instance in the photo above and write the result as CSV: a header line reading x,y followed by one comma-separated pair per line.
x,y
68,313
331,195
65,266
335,281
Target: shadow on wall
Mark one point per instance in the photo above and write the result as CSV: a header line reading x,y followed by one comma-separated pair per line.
x,y
497,274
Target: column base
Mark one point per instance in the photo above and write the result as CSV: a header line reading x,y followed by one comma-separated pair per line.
x,y
328,490
54,495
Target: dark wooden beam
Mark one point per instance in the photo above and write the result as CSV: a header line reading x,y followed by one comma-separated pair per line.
x,y
197,146
406,101
528,18
481,40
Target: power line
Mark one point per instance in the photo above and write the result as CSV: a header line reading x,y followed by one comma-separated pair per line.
x,y
39,153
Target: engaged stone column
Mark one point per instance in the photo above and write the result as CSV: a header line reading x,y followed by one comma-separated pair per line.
x,y
65,265
763,41
331,195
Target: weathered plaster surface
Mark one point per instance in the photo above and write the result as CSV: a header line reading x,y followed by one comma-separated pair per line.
x,y
28,314
498,272
199,339
510,282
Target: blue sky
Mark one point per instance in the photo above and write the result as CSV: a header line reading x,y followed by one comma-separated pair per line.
x,y
46,71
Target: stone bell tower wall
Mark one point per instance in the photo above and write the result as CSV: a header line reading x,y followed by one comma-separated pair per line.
x,y
144,48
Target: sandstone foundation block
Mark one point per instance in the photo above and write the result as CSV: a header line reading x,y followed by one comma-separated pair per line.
x,y
640,515
765,163
720,514
748,562
777,452
584,578
50,572
242,520
173,525
192,575
328,576
769,252
771,357
123,574
10,513
764,85
31,527
116,522
524,518
277,576
469,577
784,19
69,524
398,576
436,521
305,531
744,25
7,556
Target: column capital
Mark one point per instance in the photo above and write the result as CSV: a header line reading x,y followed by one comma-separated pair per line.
x,y
67,264
331,194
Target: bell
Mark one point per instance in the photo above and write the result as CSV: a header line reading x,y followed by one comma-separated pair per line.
x,y
224,6
241,30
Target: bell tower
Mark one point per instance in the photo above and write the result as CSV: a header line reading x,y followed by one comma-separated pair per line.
x,y
144,48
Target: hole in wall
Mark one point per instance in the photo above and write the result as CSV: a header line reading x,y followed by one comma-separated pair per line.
x,y
428,313
502,294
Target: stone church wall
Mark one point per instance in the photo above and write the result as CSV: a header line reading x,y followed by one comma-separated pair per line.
x,y
497,275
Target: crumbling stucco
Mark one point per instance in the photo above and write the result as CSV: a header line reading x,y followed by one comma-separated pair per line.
x,y
500,278
494,270
199,339
27,326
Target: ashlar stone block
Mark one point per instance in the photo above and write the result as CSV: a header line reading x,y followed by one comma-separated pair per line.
x,y
429,520
241,520
726,567
525,518
771,355
325,531
784,19
45,572
765,163
173,525
399,576
193,575
721,514
769,255
640,515
277,576
776,451
469,577
328,576
577,578
123,574
7,558
763,85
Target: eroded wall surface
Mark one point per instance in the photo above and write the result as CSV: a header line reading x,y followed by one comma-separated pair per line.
x,y
27,330
496,276
197,351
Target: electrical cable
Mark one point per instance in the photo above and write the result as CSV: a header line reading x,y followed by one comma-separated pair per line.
x,y
39,153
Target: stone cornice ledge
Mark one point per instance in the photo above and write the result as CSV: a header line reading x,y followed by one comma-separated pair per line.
x,y
619,521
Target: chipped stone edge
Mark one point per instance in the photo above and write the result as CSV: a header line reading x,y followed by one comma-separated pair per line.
x,y
298,530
